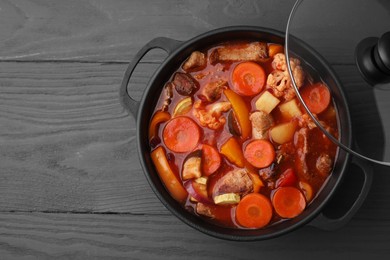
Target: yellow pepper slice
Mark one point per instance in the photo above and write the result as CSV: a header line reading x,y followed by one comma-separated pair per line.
x,y
241,111
231,149
158,118
168,177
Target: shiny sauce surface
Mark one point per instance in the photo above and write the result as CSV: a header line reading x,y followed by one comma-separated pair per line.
x,y
300,155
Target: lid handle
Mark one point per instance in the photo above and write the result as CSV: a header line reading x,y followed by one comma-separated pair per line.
x,y
373,59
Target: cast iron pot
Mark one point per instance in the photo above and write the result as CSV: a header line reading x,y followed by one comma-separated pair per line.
x,y
321,213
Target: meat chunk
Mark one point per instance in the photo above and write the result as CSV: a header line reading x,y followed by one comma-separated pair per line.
x,y
197,60
211,115
324,164
168,96
255,51
305,121
279,80
185,84
236,181
261,123
204,210
213,90
302,148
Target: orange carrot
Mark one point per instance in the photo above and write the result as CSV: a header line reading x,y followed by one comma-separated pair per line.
x,y
260,153
274,49
167,176
288,202
254,211
181,134
211,159
316,97
248,78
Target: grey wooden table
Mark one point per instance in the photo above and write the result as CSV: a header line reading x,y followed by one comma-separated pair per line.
x,y
71,185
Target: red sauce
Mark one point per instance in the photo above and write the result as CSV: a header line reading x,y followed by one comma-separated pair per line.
x,y
317,143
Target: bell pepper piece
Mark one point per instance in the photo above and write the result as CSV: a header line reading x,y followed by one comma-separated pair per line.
x,y
231,149
158,118
241,111
256,180
167,176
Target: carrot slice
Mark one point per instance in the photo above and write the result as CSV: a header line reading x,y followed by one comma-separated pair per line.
x,y
181,134
254,211
288,202
167,175
316,97
211,159
260,153
248,78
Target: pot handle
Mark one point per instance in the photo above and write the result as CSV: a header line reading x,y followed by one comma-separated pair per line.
x,y
166,44
327,219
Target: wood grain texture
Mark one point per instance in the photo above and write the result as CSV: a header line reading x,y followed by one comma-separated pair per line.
x,y
98,30
97,236
71,185
66,142
68,145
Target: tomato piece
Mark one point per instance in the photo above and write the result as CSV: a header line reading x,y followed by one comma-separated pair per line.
x,y
287,178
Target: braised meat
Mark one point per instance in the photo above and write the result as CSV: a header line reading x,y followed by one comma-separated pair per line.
x,y
261,123
255,51
204,210
324,164
197,60
212,91
236,181
184,84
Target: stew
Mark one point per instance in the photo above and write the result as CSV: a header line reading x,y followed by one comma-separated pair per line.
x,y
231,142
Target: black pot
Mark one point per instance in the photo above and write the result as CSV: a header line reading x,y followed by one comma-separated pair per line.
x,y
142,111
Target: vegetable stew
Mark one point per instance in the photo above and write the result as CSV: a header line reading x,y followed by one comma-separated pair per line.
x,y
231,142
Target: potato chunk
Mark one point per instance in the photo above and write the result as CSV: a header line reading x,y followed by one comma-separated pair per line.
x,y
267,102
283,133
227,198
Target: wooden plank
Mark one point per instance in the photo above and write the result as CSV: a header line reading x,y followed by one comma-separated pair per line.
x,y
66,142
98,30
92,236
68,145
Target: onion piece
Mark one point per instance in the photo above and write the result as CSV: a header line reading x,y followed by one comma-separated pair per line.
x,y
197,191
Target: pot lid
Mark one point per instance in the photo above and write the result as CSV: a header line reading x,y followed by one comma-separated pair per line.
x,y
353,36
